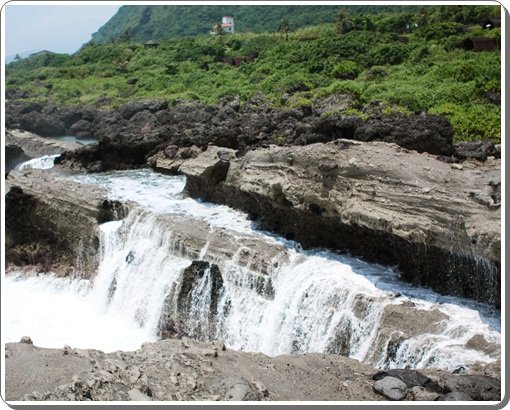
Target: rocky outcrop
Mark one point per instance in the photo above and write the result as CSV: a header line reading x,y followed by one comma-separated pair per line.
x,y
138,130
438,223
186,370
52,224
190,310
14,155
22,146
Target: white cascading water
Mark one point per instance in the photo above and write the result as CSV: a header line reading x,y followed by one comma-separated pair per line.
x,y
45,162
317,302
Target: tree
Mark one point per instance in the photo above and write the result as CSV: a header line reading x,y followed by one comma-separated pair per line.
x,y
343,22
219,30
423,16
17,57
284,28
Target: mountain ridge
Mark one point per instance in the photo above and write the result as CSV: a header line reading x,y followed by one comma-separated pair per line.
x,y
142,23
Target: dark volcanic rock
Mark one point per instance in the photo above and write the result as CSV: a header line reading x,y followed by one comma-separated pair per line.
x,y
129,110
423,133
478,150
14,155
180,316
137,130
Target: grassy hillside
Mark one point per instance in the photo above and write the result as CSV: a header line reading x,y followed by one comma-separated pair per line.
x,y
359,55
142,23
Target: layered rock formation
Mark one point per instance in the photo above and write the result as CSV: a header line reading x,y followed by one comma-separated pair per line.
x,y
53,223
23,145
438,222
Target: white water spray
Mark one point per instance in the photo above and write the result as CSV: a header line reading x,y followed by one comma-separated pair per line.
x,y
45,162
311,303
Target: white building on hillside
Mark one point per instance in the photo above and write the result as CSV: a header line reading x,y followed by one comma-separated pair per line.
x,y
227,22
227,25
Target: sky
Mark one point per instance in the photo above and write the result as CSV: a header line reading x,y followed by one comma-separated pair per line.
x,y
57,28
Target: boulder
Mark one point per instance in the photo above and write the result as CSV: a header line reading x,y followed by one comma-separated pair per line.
x,y
478,387
478,150
410,377
418,393
391,388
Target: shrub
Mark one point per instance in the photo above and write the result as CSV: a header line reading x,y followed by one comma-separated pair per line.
x,y
346,70
387,54
440,30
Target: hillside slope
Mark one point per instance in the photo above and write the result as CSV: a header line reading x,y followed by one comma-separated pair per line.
x,y
142,23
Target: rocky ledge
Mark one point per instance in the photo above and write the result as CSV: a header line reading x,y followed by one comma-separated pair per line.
x,y
52,224
21,146
439,223
185,370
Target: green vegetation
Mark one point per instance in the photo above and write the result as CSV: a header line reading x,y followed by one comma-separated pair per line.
x,y
143,23
361,57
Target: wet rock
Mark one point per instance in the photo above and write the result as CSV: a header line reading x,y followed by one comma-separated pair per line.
x,y
299,193
179,310
391,388
171,158
14,155
48,225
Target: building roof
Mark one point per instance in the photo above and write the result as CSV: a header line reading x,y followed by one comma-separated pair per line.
x,y
151,42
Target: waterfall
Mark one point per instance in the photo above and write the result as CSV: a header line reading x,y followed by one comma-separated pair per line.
x,y
307,302
44,162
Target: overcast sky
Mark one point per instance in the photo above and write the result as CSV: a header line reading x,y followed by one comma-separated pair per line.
x,y
61,29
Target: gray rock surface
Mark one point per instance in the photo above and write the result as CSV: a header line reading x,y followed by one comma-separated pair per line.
x,y
478,387
36,146
439,224
391,388
418,393
455,396
173,370
53,223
